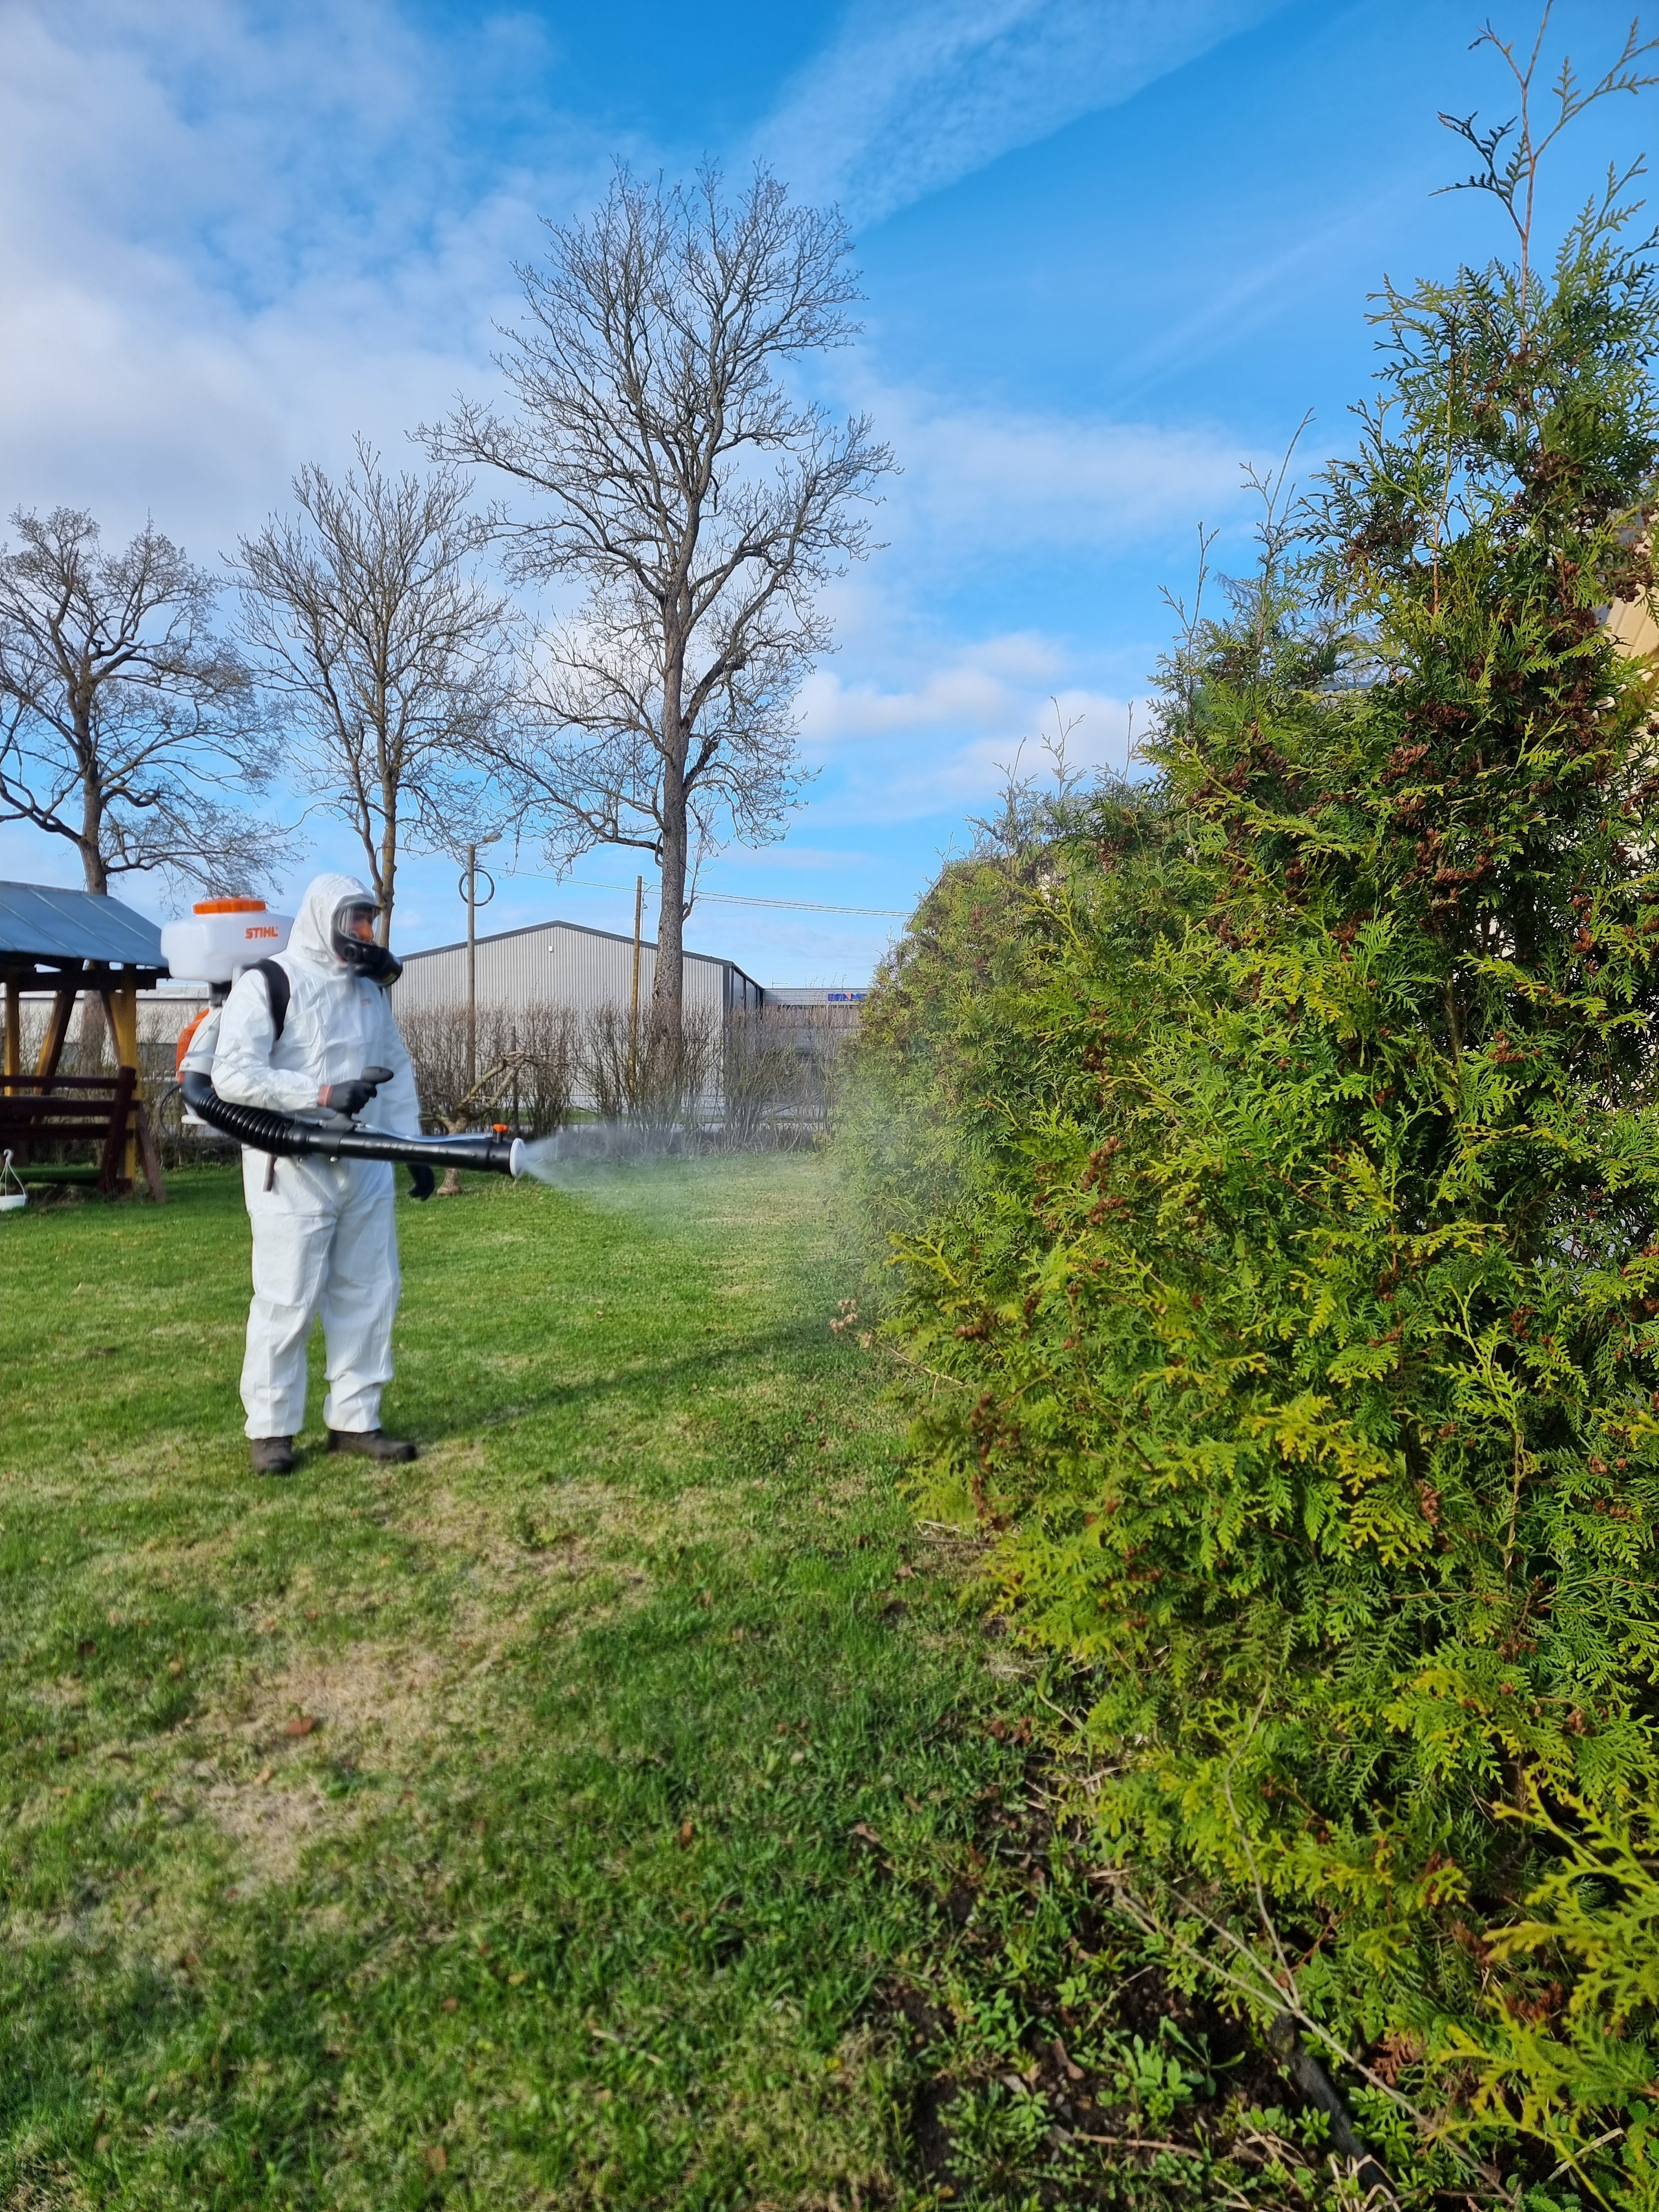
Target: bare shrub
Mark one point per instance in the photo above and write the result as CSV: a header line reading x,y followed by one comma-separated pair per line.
x,y
782,1066
609,1062
651,1076
527,1066
763,1080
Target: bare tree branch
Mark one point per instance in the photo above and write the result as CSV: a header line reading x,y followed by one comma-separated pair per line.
x,y
127,728
391,659
699,505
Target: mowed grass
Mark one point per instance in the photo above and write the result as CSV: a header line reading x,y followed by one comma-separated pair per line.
x,y
516,1828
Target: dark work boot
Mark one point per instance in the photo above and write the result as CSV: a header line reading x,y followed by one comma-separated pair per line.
x,y
272,1455
370,1444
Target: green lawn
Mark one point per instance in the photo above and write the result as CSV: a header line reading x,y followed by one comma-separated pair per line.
x,y
563,1897
617,1808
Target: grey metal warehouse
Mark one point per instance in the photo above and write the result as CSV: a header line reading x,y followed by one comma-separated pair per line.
x,y
566,964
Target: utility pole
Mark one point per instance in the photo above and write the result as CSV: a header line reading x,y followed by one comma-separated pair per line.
x,y
634,1014
469,888
471,967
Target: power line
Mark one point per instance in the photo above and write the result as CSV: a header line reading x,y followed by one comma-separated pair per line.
x,y
738,898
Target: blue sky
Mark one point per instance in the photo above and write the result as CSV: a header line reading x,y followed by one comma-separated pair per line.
x,y
1113,249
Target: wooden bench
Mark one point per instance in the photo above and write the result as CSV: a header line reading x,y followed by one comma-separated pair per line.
x,y
36,1110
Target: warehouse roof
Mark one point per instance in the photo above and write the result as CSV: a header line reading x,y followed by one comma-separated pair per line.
x,y
581,928
44,932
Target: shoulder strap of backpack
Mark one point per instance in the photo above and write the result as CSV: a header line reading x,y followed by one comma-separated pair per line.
x,y
276,982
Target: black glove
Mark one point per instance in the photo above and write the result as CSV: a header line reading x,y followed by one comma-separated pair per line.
x,y
350,1098
421,1184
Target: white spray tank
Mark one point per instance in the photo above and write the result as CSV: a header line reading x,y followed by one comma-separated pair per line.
x,y
212,945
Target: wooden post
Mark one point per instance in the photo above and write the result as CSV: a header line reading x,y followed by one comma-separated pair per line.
x,y
634,1011
121,1006
14,1029
63,1013
121,1009
110,1179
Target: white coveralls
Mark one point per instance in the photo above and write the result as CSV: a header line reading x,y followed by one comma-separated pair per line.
x,y
325,1239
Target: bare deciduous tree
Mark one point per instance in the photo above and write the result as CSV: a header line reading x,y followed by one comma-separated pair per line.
x,y
390,656
125,725
701,506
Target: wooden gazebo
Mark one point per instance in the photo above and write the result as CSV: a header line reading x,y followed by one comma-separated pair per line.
x,y
65,943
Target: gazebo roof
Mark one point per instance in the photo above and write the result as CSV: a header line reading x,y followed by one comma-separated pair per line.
x,y
48,935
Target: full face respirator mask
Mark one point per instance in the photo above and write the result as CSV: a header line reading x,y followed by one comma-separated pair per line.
x,y
352,937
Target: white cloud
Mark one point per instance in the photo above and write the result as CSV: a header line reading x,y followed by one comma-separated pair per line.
x,y
977,482
910,98
947,736
237,235
235,239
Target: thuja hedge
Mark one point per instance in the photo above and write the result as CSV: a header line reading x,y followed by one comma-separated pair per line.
x,y
1270,1157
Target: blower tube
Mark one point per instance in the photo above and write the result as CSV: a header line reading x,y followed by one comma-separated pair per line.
x,y
286,1134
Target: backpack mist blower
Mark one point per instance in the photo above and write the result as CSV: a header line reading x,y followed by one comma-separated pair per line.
x,y
221,937
336,1136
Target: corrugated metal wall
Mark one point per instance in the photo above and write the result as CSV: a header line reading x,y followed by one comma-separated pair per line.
x,y
562,963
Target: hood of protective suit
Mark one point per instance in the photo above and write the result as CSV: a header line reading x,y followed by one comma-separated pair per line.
x,y
312,936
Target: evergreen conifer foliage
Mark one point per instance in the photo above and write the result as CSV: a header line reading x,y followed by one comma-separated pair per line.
x,y
1279,1192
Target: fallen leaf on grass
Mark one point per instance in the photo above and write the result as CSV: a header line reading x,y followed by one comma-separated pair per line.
x,y
85,1648
438,2159
101,2145
175,1668
302,1724
264,1775
451,2004
687,1832
513,1980
907,1574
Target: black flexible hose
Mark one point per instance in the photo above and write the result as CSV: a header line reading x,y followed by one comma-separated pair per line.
x,y
281,1135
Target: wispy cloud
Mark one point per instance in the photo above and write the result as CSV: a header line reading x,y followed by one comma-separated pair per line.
x,y
943,735
979,480
236,237
910,97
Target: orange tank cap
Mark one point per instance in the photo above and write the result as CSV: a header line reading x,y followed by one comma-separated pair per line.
x,y
228,906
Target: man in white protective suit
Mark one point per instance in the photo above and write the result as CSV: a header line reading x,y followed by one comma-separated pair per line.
x,y
325,1241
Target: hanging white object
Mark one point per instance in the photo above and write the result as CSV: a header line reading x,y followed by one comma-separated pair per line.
x,y
218,938
12,1193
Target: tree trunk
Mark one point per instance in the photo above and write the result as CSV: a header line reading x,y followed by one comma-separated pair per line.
x,y
668,984
91,840
385,886
667,987
386,868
